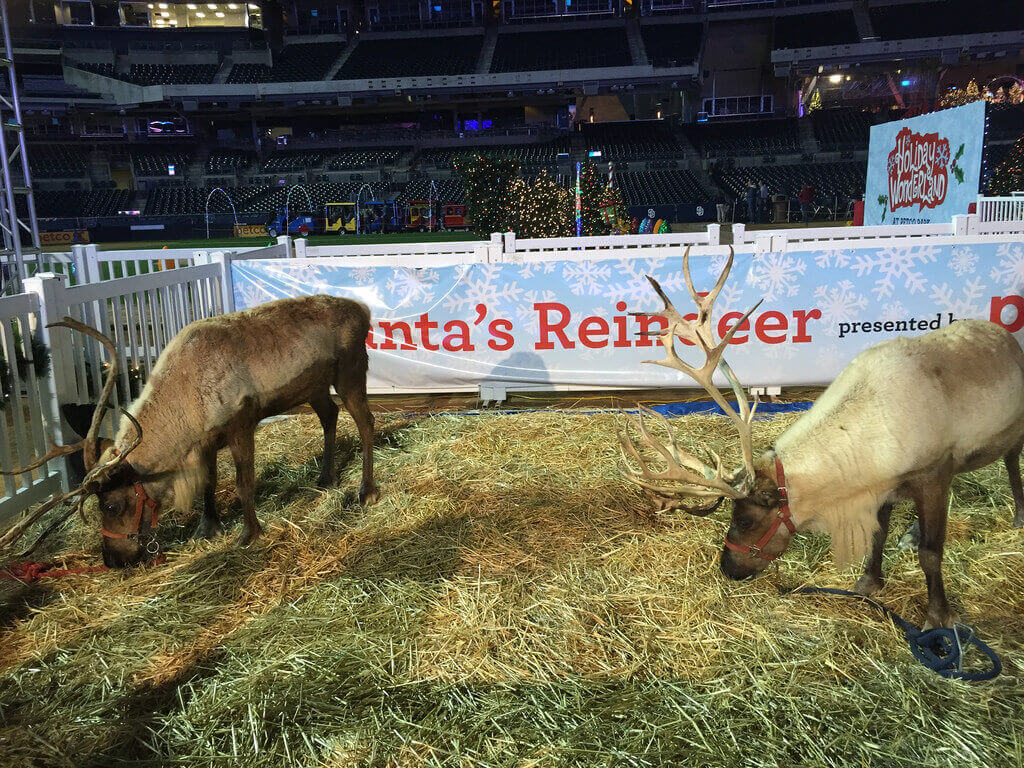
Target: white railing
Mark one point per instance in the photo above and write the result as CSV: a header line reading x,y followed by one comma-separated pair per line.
x,y
775,239
27,406
1001,209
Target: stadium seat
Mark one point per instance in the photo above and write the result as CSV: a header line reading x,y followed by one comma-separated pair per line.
x,y
807,30
410,57
580,49
672,45
295,63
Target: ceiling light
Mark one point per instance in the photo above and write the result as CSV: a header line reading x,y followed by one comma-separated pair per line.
x,y
200,15
191,7
212,6
165,14
163,6
253,7
837,78
233,6
219,14
150,6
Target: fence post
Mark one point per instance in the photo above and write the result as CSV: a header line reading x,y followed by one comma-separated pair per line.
x,y
715,234
300,248
960,223
286,241
91,261
739,234
60,383
227,285
509,240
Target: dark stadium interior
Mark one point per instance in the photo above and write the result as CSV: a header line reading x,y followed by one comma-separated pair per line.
x,y
147,108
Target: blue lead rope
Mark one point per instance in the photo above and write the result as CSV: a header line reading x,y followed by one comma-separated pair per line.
x,y
941,649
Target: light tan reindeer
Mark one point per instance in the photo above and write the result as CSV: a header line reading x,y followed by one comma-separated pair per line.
x,y
209,389
898,422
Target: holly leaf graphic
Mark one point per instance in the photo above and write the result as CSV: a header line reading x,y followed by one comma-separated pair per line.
x,y
883,199
959,173
959,152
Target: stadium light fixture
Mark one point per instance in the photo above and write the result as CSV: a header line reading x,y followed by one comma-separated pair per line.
x,y
200,15
163,6
191,6
212,6
219,14
836,78
233,6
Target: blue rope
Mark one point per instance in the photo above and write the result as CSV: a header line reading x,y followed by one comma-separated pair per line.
x,y
941,649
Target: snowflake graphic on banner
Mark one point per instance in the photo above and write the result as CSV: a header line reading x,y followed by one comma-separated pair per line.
x,y
717,263
533,268
480,285
838,304
631,284
251,294
1010,271
893,311
832,258
363,275
895,265
963,261
526,316
406,286
776,274
968,304
586,277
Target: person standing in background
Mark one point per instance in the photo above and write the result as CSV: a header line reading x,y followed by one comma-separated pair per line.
x,y
751,202
765,195
806,198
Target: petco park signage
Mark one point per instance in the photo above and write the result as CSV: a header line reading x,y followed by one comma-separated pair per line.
x,y
567,322
925,169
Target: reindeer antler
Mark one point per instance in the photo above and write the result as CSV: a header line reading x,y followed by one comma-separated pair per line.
x,y
97,473
685,474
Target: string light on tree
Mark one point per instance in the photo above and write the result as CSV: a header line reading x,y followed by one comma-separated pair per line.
x,y
1008,176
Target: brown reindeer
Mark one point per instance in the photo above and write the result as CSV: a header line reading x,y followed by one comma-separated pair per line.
x,y
899,422
209,390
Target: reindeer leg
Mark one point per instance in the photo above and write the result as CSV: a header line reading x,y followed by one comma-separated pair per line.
x,y
1012,461
243,451
932,501
872,581
327,411
209,523
359,409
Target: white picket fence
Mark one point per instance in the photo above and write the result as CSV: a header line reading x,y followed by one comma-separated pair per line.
x,y
1001,209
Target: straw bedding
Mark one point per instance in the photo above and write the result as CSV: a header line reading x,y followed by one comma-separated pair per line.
x,y
509,602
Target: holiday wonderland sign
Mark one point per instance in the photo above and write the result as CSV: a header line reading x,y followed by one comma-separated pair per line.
x,y
926,169
565,322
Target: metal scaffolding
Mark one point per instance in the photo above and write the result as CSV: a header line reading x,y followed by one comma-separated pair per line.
x,y
16,181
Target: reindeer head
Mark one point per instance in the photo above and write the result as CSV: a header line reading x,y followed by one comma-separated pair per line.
x,y
759,508
107,475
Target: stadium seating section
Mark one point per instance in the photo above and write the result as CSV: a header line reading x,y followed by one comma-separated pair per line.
x,y
228,161
948,17
807,30
672,45
295,63
289,162
840,130
626,142
666,187
56,161
828,179
171,74
412,57
764,137
352,159
582,49
97,202
155,162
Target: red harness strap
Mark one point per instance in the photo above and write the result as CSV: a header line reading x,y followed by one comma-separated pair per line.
x,y
142,503
784,517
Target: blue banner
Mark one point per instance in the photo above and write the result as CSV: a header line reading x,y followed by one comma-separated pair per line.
x,y
567,322
926,169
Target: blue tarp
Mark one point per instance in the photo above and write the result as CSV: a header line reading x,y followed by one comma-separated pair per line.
x,y
670,410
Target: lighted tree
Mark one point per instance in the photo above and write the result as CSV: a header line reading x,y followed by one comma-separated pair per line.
x,y
547,210
613,210
489,191
1008,176
814,103
956,97
592,187
1016,93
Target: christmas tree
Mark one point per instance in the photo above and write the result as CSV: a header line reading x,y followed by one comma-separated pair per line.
x,y
613,211
957,97
592,193
489,192
1009,175
547,210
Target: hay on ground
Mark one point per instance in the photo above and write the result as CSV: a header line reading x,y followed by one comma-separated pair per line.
x,y
510,601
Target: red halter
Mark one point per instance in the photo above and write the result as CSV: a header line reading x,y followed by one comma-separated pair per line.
x,y
143,502
782,518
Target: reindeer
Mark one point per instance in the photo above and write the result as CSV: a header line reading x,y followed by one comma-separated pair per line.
x,y
899,422
209,389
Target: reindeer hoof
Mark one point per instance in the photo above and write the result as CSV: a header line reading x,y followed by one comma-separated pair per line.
x,y
868,585
207,528
324,482
938,619
369,495
248,535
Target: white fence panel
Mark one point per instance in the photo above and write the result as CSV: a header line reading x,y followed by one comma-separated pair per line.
x,y
640,246
741,236
140,314
447,249
994,209
27,398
